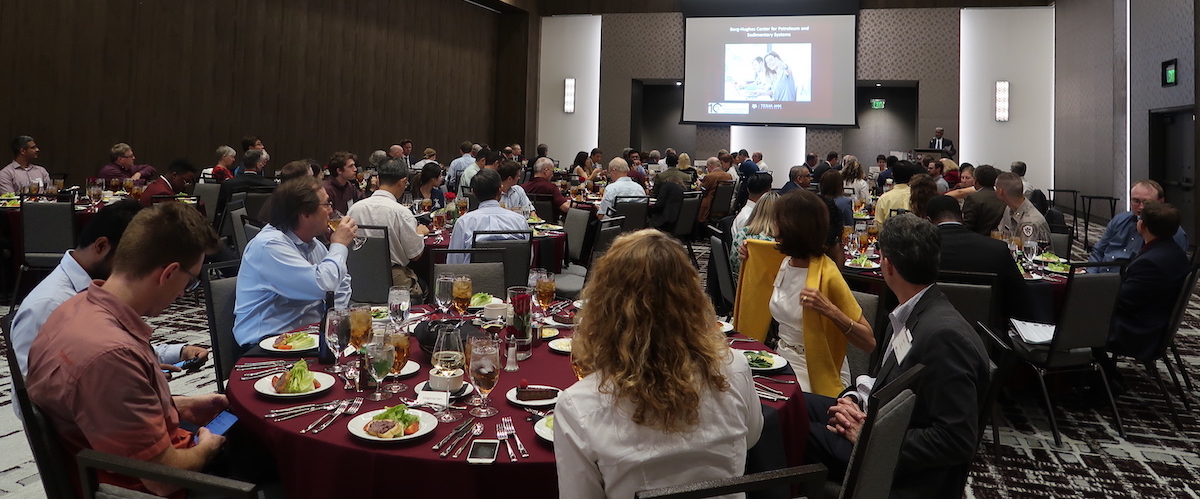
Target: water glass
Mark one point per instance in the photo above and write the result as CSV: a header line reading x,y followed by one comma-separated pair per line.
x,y
380,357
335,321
485,372
443,292
399,302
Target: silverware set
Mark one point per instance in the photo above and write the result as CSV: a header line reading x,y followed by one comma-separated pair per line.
x,y
768,393
508,425
768,378
502,435
347,408
558,307
462,428
476,430
300,410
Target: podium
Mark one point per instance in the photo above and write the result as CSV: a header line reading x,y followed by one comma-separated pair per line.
x,y
935,153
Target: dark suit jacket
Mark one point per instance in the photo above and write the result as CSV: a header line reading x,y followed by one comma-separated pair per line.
x,y
943,432
240,183
982,211
947,145
665,211
1146,299
788,187
966,251
821,168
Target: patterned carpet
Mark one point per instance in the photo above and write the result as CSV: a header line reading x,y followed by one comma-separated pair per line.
x,y
1156,459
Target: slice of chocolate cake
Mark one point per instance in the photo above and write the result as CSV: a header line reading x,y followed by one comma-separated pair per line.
x,y
536,393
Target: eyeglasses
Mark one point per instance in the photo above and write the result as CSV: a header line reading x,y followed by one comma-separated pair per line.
x,y
329,204
193,283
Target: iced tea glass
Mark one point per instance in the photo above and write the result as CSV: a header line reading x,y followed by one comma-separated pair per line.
x,y
461,293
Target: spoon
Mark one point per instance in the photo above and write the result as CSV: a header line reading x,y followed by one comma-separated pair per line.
x,y
475,432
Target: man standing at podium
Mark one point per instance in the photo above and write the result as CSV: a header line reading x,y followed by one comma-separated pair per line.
x,y
943,143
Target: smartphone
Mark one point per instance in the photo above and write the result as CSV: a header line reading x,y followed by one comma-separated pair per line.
x,y
192,364
221,424
483,451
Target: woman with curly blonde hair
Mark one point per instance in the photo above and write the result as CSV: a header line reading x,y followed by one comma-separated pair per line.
x,y
663,401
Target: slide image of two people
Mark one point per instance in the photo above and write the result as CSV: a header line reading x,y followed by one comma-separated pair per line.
x,y
768,72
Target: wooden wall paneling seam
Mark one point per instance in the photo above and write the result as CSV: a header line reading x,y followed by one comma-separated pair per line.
x,y
199,71
258,120
58,84
272,62
376,58
87,92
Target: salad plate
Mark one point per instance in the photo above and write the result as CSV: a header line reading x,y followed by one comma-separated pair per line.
x,y
1049,257
725,327
864,264
543,427
476,298
380,314
1058,268
356,424
265,386
268,344
561,345
761,357
548,227
511,395
577,303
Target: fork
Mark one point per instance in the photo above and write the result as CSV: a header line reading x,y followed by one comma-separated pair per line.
x,y
280,416
341,407
508,424
354,406
264,373
502,435
768,378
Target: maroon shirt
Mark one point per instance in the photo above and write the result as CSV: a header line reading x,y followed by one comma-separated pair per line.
x,y
158,187
539,185
113,170
341,196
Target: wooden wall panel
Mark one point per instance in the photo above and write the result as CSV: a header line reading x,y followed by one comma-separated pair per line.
x,y
177,78
560,7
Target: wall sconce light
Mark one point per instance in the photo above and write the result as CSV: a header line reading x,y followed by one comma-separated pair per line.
x,y
1002,100
569,96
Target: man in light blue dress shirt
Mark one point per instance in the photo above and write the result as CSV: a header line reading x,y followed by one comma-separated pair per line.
x,y
489,215
619,185
286,271
512,196
91,259
460,164
1121,239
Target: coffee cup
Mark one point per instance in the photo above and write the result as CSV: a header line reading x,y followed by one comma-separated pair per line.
x,y
494,311
445,381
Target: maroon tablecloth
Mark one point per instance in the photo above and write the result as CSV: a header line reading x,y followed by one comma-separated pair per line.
x,y
334,463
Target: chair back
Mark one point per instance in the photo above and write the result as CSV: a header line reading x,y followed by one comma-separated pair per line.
x,y
239,236
49,232
722,199
1060,244
228,221
52,462
971,293
208,193
472,201
1177,314
486,269
370,266
873,462
859,360
518,252
751,316
811,477
686,223
220,297
576,226
633,208
237,196
724,271
1087,311
543,204
256,198
250,229
610,228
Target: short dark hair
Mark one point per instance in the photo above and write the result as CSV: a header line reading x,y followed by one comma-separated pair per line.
x,y
672,160
891,161
391,171
1161,219
904,172
986,175
293,198
109,222
879,157
161,235
251,158
809,157
488,156
759,183
406,142
542,149
182,167
595,151
831,184
486,185
509,169
943,209
743,152
338,161
298,168
248,142
314,165
1018,167
801,224
19,142
466,146
430,171
913,245
831,155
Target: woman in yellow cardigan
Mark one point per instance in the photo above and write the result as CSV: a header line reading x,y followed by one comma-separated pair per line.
x,y
816,312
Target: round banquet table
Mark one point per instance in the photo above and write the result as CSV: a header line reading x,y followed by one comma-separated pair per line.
x,y
335,463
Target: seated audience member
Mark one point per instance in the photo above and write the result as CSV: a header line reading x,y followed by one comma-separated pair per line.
x,y
1121,238
833,191
924,329
716,175
582,168
853,177
485,159
966,183
935,169
22,172
756,185
1150,286
430,186
619,185
460,164
342,184
489,215
966,251
637,171
121,165
540,183
250,177
899,197
180,173
285,271
1019,168
249,143
671,172
951,173
221,171
761,226
817,314
406,239
685,166
886,171
799,177
982,209
512,196
1020,218
92,369
429,155
91,259
664,213
660,403
295,169
922,188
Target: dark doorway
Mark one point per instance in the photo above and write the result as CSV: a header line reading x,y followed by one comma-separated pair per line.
x,y
1173,160
657,107
891,127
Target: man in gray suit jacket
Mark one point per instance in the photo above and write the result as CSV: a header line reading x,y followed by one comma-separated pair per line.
x,y
925,329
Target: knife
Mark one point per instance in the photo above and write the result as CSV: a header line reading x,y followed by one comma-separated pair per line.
x,y
466,424
341,408
446,452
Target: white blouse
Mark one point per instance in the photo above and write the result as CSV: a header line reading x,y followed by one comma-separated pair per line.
x,y
785,309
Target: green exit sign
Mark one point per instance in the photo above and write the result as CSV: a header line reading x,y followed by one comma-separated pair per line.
x,y
877,103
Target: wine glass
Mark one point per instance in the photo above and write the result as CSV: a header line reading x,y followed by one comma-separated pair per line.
x,y
398,303
380,356
462,293
335,219
1030,249
447,358
443,293
398,338
544,289
485,372
334,323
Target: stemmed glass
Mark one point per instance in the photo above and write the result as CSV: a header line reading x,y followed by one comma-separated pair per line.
x,y
398,338
462,292
335,219
444,292
448,357
485,372
334,323
398,303
360,325
380,356
544,288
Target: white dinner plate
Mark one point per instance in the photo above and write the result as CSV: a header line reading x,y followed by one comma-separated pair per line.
x,y
577,303
869,266
1047,260
480,307
511,395
268,344
548,227
1032,277
356,424
409,369
554,323
264,386
561,345
543,429
726,327
469,389
777,361
549,333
